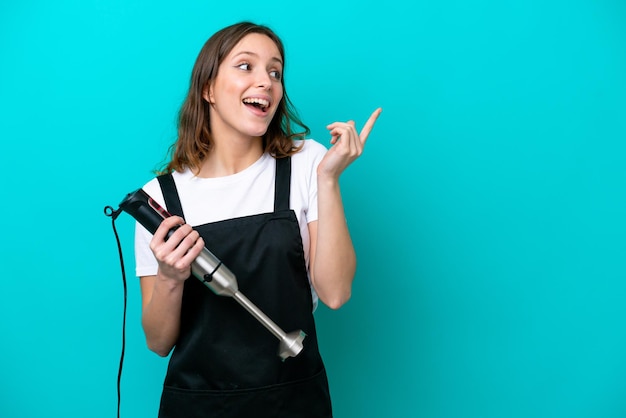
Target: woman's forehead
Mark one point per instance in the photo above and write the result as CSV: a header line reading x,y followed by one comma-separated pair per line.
x,y
257,44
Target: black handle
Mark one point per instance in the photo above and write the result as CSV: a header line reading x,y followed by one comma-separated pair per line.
x,y
145,210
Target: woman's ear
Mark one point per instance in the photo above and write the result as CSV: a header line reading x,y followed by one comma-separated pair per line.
x,y
207,93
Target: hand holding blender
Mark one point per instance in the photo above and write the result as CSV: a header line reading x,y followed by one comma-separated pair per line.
x,y
207,267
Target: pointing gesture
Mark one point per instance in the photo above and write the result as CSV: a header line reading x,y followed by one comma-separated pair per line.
x,y
347,145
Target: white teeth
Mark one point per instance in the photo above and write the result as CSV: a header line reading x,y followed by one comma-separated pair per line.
x,y
261,102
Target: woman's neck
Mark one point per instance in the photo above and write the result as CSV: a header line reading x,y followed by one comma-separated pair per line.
x,y
230,157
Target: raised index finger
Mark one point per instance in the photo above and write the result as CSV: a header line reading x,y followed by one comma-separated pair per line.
x,y
367,128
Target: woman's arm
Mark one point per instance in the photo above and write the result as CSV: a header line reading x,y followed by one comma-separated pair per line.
x,y
332,256
162,294
160,318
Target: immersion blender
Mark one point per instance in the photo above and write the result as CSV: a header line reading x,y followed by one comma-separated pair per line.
x,y
210,271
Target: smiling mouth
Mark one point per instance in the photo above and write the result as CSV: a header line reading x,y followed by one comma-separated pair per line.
x,y
261,104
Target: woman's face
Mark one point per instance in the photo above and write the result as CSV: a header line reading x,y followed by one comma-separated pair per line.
x,y
246,92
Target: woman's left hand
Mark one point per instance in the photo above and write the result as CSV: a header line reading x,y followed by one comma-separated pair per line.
x,y
347,146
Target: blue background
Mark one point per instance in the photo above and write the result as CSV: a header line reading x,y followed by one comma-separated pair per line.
x,y
487,212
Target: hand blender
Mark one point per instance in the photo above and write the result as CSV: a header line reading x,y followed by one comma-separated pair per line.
x,y
210,271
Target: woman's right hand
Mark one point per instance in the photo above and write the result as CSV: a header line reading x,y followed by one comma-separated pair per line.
x,y
176,254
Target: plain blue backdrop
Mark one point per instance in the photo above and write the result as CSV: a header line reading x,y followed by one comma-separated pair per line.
x,y
488,210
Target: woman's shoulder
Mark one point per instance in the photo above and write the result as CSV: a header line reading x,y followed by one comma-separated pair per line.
x,y
153,187
304,162
310,149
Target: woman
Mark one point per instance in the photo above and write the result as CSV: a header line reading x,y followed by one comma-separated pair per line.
x,y
267,203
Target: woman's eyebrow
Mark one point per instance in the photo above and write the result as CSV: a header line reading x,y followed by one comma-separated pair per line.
x,y
277,59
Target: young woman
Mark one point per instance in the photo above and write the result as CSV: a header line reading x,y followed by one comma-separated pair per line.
x,y
266,202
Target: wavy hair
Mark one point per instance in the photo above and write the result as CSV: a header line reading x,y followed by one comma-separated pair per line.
x,y
194,134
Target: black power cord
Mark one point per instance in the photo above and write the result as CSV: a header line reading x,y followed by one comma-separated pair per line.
x,y
113,214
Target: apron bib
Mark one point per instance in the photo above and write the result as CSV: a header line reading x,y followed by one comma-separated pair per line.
x,y
225,362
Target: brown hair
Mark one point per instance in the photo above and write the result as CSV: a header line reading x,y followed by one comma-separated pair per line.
x,y
194,136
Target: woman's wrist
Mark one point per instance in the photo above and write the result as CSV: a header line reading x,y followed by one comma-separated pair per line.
x,y
168,283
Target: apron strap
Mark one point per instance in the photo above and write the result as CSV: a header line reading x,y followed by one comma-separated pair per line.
x,y
282,189
170,195
282,184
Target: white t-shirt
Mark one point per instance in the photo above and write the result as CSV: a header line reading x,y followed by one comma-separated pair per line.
x,y
249,192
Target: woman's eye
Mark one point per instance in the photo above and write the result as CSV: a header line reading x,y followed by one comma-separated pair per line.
x,y
244,66
275,74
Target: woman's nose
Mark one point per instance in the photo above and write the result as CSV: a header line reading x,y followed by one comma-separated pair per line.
x,y
263,79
